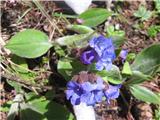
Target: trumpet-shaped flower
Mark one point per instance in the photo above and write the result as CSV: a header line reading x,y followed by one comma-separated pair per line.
x,y
88,57
105,52
85,92
112,92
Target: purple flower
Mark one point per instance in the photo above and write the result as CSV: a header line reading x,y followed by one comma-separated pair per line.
x,y
100,43
112,92
123,55
105,50
85,92
95,94
105,60
92,97
74,92
88,57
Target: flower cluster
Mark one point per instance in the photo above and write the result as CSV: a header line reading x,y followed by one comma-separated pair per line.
x,y
85,88
90,93
102,52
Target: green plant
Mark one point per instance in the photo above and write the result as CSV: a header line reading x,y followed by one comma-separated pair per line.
x,y
143,13
153,30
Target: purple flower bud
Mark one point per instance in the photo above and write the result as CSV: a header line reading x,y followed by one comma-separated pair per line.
x,y
123,55
88,57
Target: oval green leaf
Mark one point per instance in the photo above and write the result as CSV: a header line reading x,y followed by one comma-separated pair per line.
x,y
112,76
80,29
137,78
75,40
30,43
144,94
94,16
148,60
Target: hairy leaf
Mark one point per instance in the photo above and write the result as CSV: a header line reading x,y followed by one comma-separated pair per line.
x,y
142,13
29,43
80,29
148,60
94,16
75,40
112,75
144,94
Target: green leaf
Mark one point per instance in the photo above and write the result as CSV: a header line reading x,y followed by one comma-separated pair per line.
x,y
137,78
116,35
144,94
6,106
112,76
75,40
142,13
65,68
131,57
59,50
157,4
80,29
14,84
148,60
94,16
20,64
126,69
153,30
38,108
29,43
19,61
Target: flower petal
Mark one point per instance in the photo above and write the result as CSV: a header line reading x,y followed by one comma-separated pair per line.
x,y
123,54
99,65
75,99
72,84
112,92
69,94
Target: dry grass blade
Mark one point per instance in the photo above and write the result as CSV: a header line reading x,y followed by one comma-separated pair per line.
x,y
40,7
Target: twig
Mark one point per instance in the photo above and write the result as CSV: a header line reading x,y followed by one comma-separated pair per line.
x,y
24,14
24,82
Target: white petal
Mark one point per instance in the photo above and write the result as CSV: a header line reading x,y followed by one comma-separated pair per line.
x,y
78,6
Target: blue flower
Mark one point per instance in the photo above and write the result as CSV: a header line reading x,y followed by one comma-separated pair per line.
x,y
95,92
105,60
100,43
85,92
105,51
88,57
123,55
74,92
112,92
